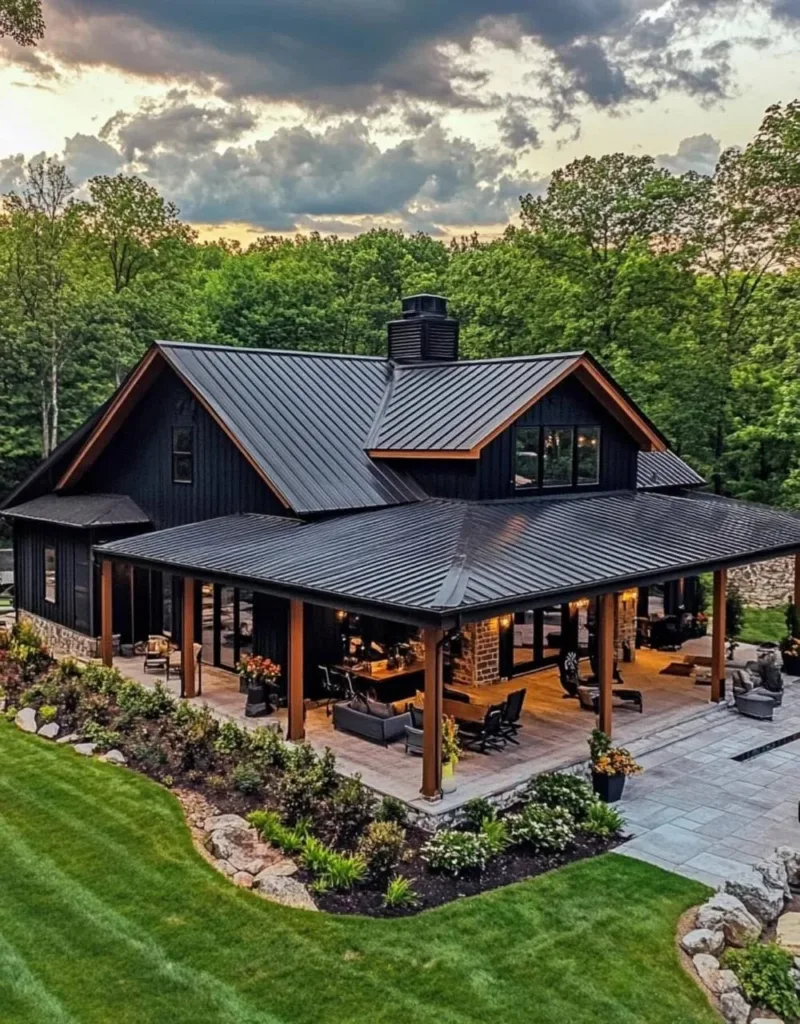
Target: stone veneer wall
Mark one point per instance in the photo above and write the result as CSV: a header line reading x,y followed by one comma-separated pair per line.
x,y
625,626
765,584
479,662
64,640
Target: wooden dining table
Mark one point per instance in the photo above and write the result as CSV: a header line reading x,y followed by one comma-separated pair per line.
x,y
381,675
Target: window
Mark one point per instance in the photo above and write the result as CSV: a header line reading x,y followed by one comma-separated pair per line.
x,y
50,574
588,456
557,457
527,464
182,455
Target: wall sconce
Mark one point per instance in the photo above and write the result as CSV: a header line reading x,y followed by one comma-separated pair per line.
x,y
629,595
341,615
580,604
505,621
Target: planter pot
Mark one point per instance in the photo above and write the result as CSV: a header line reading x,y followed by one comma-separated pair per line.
x,y
448,777
608,787
258,703
791,664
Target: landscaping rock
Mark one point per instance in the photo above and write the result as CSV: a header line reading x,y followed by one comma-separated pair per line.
x,y
283,868
26,720
243,879
791,860
226,868
762,900
49,731
788,932
773,870
715,980
71,737
220,844
281,889
243,862
87,749
766,1020
226,821
727,913
735,1008
115,757
703,940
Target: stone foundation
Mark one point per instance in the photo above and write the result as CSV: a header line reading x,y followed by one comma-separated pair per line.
x,y
479,662
765,584
64,640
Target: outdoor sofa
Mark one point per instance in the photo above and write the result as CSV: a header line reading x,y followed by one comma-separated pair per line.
x,y
371,720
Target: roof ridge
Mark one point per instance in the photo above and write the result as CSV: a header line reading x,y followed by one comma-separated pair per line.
x,y
451,591
447,364
211,347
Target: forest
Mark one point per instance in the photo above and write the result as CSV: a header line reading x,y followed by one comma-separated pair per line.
x,y
686,287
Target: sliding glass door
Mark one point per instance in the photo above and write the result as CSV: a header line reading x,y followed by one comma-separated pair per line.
x,y
537,637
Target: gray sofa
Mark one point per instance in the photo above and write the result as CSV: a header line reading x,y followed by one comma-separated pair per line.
x,y
369,725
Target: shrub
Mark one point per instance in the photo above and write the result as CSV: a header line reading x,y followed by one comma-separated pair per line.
x,y
196,730
269,825
399,893
476,811
546,829
305,781
351,808
603,820
315,855
232,740
267,749
247,778
46,691
47,713
495,832
392,809
103,737
764,972
381,847
101,679
95,708
152,757
11,713
344,872
214,781
138,701
454,852
560,790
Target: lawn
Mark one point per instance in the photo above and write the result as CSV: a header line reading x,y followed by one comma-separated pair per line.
x,y
762,624
108,914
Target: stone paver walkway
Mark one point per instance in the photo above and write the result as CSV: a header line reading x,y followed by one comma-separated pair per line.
x,y
699,813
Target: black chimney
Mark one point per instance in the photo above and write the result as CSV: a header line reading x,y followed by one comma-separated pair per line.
x,y
425,334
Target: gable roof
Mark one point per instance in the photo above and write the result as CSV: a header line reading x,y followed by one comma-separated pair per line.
x,y
456,409
657,470
80,510
479,558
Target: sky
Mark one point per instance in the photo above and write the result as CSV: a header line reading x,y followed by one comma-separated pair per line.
x,y
275,116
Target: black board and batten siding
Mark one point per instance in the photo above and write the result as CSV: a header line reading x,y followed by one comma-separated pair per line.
x,y
138,462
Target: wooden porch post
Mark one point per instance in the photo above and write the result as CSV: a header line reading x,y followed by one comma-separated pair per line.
x,y
797,580
106,614
606,608
432,715
718,636
187,640
296,725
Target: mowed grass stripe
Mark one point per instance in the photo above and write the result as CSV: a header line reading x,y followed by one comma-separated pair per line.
x,y
118,919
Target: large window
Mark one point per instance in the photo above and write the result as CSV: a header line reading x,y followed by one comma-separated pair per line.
x,y
557,457
50,574
182,455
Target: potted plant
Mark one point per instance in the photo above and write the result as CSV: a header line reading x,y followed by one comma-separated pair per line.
x,y
451,751
258,677
790,645
610,767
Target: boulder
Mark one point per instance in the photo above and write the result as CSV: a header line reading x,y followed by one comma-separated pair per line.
x,y
791,860
26,720
712,976
49,731
115,757
226,821
280,867
735,1008
243,879
728,914
281,889
220,844
762,900
242,861
773,870
703,940
226,868
787,934
71,737
766,1020
87,749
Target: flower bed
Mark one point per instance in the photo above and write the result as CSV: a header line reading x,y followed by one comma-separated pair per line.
x,y
356,854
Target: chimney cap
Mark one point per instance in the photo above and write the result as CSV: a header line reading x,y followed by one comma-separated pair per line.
x,y
424,305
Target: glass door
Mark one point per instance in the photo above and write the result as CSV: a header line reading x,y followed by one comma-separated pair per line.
x,y
537,638
226,628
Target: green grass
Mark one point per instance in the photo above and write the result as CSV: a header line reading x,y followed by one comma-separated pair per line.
x,y
108,914
763,624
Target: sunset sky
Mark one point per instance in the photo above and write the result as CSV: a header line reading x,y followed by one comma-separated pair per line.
x,y
338,115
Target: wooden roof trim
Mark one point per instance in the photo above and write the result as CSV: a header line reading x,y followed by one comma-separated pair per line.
x,y
119,409
595,382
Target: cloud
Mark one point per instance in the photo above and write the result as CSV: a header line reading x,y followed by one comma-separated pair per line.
x,y
86,156
695,153
12,173
517,130
363,55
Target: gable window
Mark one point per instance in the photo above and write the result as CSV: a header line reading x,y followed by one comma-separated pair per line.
x,y
50,573
182,455
557,457
527,464
587,456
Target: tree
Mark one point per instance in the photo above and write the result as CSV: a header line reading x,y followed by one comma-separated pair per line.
x,y
21,20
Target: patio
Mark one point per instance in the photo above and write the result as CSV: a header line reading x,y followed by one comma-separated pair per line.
x,y
554,731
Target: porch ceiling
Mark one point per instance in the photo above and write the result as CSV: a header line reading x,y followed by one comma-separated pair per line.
x,y
438,561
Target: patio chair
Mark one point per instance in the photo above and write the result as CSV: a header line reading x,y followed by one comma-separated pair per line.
x,y
484,736
156,653
342,682
414,740
331,688
512,711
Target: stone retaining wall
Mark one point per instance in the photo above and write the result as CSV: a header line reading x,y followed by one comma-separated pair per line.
x,y
765,584
64,640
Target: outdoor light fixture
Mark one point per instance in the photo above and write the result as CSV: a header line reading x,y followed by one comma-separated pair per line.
x,y
581,603
629,595
505,621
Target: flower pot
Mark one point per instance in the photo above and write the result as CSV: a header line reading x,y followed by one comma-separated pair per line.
x,y
608,787
791,664
448,777
257,700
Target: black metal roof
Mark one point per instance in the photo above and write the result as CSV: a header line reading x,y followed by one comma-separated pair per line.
x,y
454,406
84,511
302,417
657,470
436,560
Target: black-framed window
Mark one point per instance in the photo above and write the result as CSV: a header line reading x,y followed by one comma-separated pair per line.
x,y
50,578
556,457
182,455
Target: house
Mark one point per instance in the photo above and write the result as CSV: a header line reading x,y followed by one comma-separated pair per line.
x,y
407,518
